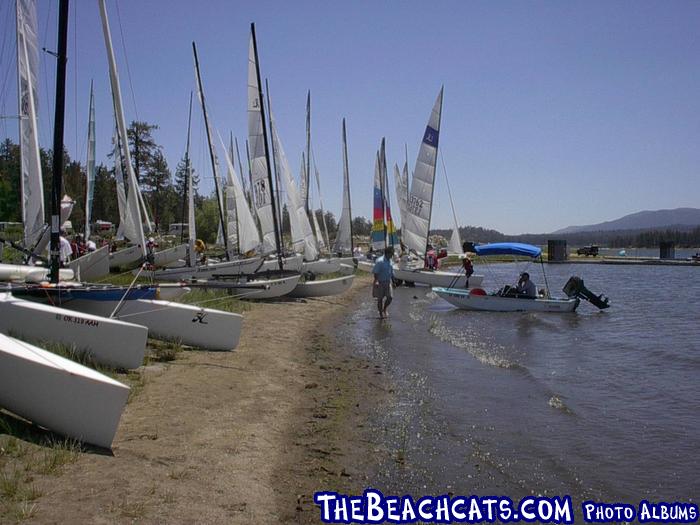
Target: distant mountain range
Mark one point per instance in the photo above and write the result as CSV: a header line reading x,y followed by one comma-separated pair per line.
x,y
643,220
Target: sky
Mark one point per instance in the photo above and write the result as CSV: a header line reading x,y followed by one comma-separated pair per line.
x,y
555,113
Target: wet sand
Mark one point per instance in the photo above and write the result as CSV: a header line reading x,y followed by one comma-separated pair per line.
x,y
236,437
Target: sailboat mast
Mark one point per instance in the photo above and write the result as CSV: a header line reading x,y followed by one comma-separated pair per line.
x,y
57,165
211,151
307,177
90,165
185,194
382,186
267,150
346,170
432,192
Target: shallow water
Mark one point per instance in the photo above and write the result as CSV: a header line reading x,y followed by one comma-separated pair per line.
x,y
592,404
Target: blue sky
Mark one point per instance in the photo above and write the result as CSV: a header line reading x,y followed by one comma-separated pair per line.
x,y
555,113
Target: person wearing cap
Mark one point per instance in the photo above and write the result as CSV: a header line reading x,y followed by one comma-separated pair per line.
x,y
526,288
468,266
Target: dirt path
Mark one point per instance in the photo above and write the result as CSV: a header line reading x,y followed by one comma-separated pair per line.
x,y
232,437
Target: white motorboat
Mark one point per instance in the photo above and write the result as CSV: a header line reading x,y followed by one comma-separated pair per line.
x,y
512,299
108,341
478,299
59,394
323,287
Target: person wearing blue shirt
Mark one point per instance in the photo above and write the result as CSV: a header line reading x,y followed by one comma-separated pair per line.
x,y
382,286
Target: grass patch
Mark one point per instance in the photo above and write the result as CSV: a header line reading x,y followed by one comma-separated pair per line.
x,y
163,351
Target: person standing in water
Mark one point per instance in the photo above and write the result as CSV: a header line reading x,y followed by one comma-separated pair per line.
x,y
382,285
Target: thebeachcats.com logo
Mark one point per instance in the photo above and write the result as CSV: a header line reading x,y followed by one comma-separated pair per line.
x,y
375,507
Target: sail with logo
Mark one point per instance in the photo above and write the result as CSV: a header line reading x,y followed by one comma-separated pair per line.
x,y
416,225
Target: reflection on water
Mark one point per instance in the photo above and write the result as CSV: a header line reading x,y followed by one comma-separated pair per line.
x,y
593,404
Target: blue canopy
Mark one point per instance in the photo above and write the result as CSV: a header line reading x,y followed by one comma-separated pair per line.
x,y
508,248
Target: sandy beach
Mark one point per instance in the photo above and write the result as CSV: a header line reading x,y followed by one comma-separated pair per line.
x,y
232,437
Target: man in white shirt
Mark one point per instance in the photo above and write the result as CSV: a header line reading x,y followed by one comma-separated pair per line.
x,y
65,250
526,288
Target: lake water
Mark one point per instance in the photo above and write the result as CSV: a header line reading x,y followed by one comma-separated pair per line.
x,y
592,404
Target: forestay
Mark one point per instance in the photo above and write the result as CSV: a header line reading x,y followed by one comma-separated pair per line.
x,y
420,199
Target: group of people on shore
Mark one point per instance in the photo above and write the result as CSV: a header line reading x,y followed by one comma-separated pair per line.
x,y
69,250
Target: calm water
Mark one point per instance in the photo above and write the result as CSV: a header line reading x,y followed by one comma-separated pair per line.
x,y
592,404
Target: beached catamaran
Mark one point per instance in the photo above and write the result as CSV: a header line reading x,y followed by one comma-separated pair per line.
x,y
415,226
42,387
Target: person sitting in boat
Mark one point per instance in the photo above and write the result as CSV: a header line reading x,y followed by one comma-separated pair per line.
x,y
526,288
432,258
90,246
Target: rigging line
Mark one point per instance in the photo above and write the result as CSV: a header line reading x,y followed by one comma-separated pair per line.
x,y
75,77
126,61
449,192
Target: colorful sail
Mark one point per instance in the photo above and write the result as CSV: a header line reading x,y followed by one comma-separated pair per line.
x,y
30,164
90,167
343,238
392,238
378,234
262,196
416,225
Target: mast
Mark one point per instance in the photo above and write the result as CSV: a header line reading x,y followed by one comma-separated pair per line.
x,y
307,178
267,151
346,170
57,165
382,183
212,155
185,194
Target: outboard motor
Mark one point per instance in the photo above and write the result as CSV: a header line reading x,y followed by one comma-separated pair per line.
x,y
574,287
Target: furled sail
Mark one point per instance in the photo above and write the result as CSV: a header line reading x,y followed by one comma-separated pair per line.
x,y
303,240
90,168
400,192
343,238
27,70
416,225
133,189
191,226
262,197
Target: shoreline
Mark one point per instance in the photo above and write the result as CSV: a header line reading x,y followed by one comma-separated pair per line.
x,y
237,436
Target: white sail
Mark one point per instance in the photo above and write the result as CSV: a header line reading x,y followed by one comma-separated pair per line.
x,y
455,244
323,235
90,167
121,187
319,233
416,224
191,226
303,240
343,238
133,190
262,197
401,192
247,231
27,69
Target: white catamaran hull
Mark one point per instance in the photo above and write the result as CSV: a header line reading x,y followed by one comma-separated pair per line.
x,y
170,255
437,278
34,274
321,266
58,394
125,257
209,271
91,266
323,287
109,341
493,303
188,324
293,263
259,288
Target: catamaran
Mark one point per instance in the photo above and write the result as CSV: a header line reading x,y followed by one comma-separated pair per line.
x,y
415,225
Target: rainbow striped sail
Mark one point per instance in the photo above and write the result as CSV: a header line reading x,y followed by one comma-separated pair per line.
x,y
378,234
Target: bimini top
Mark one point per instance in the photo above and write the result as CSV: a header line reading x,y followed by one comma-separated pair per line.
x,y
508,248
